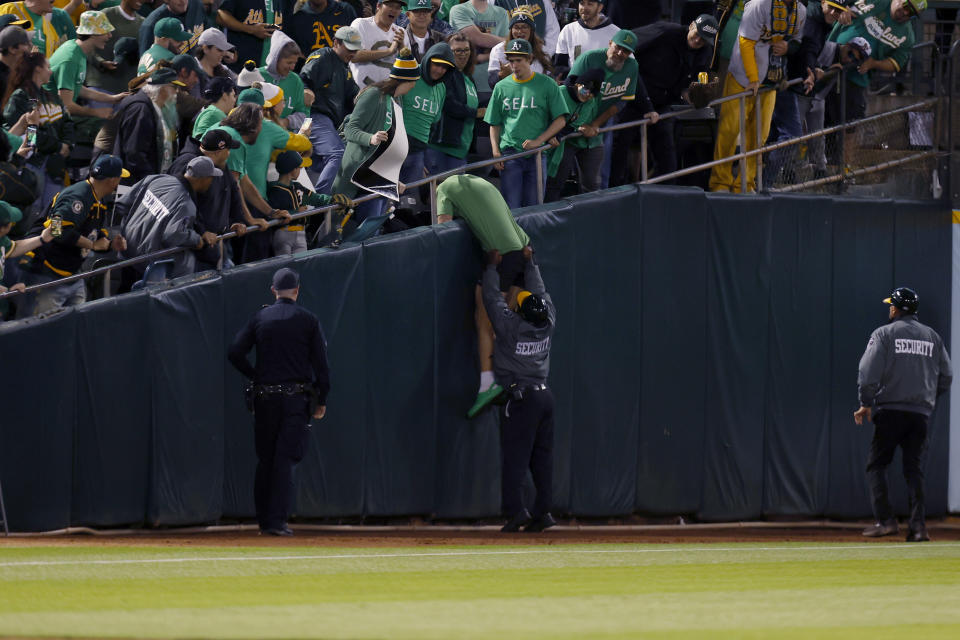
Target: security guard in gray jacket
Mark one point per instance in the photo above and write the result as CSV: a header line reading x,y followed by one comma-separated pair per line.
x,y
903,370
291,382
521,362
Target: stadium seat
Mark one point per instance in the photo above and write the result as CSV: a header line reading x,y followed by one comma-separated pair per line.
x,y
155,272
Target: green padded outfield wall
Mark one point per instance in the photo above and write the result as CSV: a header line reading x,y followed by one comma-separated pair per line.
x,y
704,364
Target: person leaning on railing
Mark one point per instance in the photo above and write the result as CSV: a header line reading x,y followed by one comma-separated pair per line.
x,y
160,212
622,84
9,216
221,207
244,124
669,58
759,58
887,26
78,214
799,109
584,151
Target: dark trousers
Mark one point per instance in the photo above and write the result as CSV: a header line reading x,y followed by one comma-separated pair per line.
x,y
661,147
526,441
281,436
908,430
785,125
589,160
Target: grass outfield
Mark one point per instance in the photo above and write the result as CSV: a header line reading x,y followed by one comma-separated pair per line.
x,y
726,590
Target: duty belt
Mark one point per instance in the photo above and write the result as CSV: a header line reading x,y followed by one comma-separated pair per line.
x,y
517,391
289,388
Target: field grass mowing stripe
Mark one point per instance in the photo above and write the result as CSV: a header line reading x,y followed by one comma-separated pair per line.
x,y
499,552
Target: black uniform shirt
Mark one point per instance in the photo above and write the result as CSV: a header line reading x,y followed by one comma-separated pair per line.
x,y
290,345
82,214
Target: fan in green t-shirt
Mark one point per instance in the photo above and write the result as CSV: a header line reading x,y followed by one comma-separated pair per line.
x,y
526,111
480,204
68,72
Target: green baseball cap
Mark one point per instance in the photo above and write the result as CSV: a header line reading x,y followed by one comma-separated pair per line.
x,y
254,96
170,28
518,47
419,5
626,39
9,213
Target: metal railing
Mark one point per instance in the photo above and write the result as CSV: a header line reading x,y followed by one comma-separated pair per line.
x,y
434,180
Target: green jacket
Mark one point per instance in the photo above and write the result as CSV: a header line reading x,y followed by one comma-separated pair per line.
x,y
373,112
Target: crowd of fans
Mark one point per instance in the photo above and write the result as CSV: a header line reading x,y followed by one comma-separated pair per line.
x,y
213,115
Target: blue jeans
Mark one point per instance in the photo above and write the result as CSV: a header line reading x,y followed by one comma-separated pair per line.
x,y
785,125
607,153
518,179
51,298
440,162
369,209
412,169
327,151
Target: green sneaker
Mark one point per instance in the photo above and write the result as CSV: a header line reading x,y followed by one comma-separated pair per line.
x,y
484,398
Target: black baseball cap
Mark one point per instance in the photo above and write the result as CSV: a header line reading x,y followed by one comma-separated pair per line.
x,y
285,278
108,166
185,61
288,161
217,140
10,19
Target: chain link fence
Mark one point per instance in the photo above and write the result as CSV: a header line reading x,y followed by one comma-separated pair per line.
x,y
892,154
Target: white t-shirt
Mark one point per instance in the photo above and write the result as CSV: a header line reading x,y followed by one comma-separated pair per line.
x,y
576,39
498,58
373,39
421,42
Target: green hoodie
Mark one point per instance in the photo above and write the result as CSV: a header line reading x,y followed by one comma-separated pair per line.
x,y
423,105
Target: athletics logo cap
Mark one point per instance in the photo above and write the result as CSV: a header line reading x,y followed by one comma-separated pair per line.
x,y
518,47
109,166
626,39
170,28
523,17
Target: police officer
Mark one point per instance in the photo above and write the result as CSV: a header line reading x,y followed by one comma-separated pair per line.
x,y
291,382
521,362
903,370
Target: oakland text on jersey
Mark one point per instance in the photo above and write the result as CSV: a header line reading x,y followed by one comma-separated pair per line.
x,y
615,91
533,348
914,347
882,32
